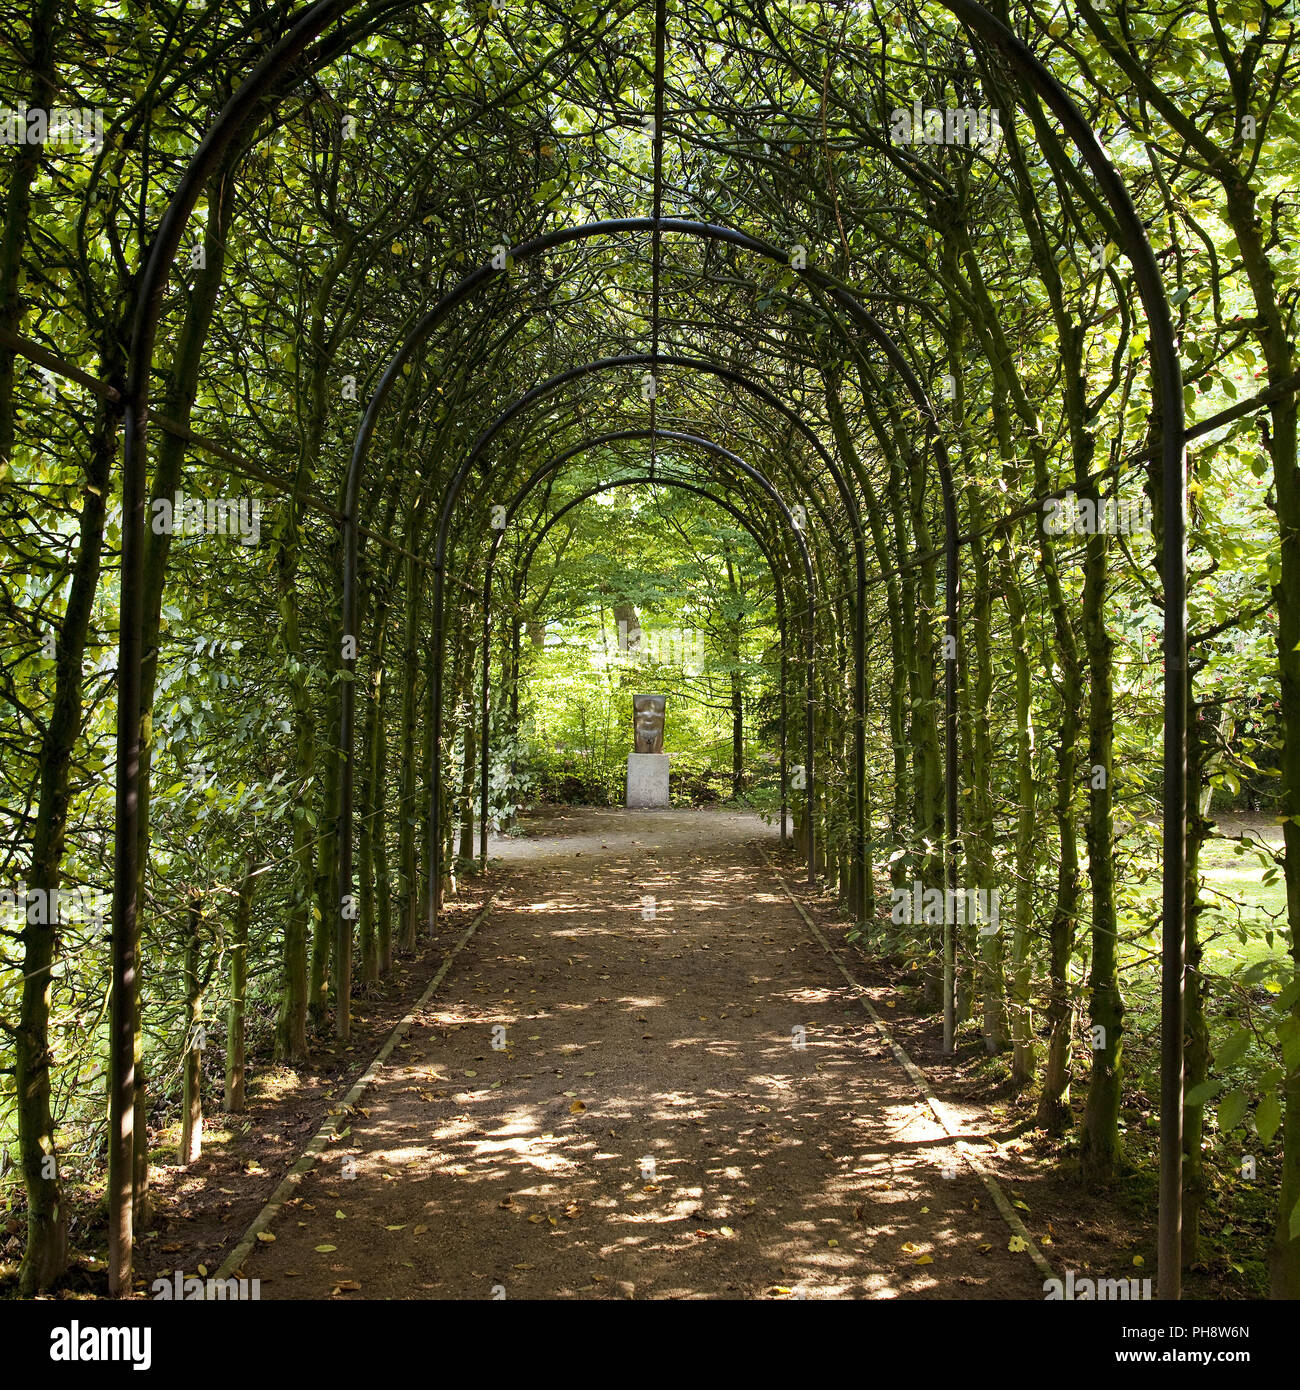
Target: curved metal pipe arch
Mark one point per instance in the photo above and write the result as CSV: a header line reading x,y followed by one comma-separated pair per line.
x,y
537,392
525,562
435,770
350,599
876,331
239,110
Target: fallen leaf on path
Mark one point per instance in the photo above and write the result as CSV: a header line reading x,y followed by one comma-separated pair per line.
x,y
265,1236
326,1249
576,1108
1016,1244
925,1260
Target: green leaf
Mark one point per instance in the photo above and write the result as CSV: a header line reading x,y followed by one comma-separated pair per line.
x,y
1234,1049
1268,1116
1206,1090
1232,1109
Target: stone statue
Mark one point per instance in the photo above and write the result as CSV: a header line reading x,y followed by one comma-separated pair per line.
x,y
648,722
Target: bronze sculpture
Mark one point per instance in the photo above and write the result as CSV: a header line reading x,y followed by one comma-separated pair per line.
x,y
648,723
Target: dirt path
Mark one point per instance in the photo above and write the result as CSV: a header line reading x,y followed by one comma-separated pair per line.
x,y
649,975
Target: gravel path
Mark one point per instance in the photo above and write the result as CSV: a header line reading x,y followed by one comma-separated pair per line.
x,y
655,1125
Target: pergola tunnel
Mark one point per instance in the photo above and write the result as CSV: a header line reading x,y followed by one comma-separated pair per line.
x,y
373,357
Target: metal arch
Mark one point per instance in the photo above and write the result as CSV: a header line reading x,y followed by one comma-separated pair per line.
x,y
435,771
525,563
654,433
238,111
1173,944
350,598
876,331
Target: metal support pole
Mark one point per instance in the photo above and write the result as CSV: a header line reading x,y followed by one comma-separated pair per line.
x,y
810,698
485,733
785,792
435,759
951,830
862,846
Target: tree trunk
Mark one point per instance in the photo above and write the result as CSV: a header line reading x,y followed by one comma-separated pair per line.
x,y
1024,1051
1196,1029
234,1098
192,1066
1101,1151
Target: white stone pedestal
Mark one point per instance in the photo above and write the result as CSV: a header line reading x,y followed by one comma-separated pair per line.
x,y
647,779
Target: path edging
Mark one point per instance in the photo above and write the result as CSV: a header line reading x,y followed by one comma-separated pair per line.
x,y
307,1159
918,1079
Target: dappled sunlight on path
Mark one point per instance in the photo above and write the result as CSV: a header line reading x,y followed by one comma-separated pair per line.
x,y
683,1101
